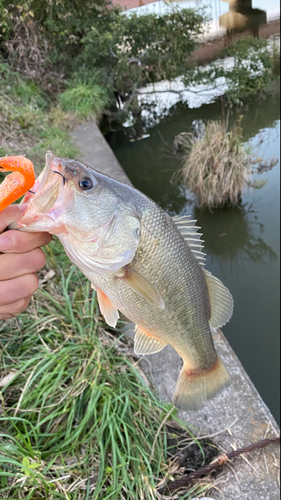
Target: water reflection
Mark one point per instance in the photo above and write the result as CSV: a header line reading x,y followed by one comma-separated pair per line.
x,y
242,16
234,234
155,170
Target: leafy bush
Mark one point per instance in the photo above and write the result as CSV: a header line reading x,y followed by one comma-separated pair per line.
x,y
249,73
51,41
252,71
138,49
64,45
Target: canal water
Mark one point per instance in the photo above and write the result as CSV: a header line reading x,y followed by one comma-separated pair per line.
x,y
242,243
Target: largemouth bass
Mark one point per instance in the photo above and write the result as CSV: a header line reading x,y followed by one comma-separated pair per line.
x,y
142,263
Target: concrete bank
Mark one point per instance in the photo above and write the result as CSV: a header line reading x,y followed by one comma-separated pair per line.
x,y
236,417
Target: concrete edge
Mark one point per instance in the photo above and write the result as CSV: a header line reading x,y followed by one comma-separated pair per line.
x,y
236,417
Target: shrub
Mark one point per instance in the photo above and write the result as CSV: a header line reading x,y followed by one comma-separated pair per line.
x,y
53,41
248,73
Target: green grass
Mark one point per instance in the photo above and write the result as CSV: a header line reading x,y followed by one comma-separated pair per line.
x,y
77,420
87,100
30,123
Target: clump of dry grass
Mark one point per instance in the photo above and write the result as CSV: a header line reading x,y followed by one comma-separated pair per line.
x,y
216,166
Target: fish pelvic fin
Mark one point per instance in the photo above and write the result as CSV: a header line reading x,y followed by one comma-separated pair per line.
x,y
146,342
195,387
107,308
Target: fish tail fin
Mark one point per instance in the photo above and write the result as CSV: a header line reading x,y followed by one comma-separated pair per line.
x,y
195,387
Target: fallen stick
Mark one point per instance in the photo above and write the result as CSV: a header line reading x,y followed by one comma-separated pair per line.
x,y
218,462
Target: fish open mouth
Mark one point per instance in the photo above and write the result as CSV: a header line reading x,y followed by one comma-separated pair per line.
x,y
46,197
51,165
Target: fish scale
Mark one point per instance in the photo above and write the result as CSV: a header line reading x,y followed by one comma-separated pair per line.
x,y
177,322
142,263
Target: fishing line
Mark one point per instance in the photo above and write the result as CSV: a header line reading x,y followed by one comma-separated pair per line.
x,y
59,173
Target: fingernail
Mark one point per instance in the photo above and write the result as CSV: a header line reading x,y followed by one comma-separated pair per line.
x,y
5,243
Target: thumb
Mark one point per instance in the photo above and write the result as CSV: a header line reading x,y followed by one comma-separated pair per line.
x,y
11,214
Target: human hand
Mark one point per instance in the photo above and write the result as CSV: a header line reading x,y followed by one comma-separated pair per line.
x,y
20,259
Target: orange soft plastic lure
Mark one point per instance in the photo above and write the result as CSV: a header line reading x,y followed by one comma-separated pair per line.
x,y
19,182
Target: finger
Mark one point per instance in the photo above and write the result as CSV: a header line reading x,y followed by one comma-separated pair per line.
x,y
11,214
6,316
14,309
19,241
18,288
15,265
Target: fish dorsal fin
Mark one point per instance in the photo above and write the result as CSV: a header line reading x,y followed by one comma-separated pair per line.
x,y
140,285
108,310
221,301
189,230
146,343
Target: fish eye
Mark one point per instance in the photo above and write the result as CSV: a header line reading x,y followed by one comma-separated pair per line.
x,y
86,184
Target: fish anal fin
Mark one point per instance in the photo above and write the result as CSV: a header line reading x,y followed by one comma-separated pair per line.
x,y
195,386
141,286
107,308
221,301
146,342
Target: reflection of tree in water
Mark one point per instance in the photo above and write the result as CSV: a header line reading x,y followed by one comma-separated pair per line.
x,y
229,233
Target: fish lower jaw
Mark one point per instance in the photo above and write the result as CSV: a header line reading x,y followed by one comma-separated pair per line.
x,y
45,224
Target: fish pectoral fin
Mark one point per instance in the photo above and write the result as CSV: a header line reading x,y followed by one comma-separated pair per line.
x,y
146,342
221,301
108,310
141,286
